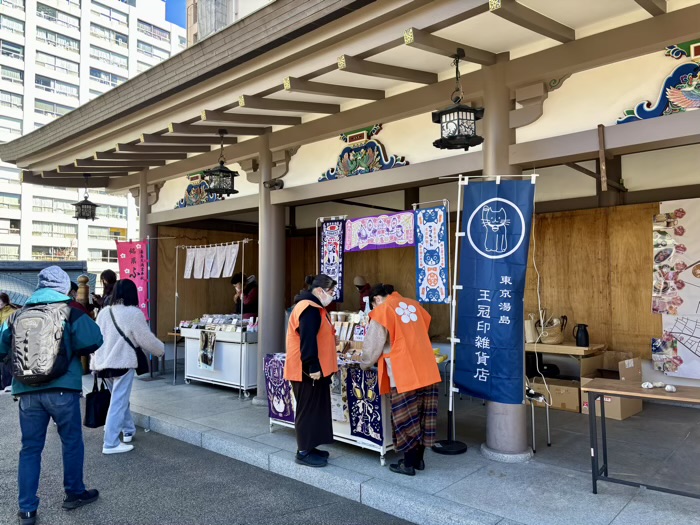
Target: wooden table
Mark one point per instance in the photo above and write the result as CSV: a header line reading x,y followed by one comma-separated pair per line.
x,y
597,389
177,338
580,351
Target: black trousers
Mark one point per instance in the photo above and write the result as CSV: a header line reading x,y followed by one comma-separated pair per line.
x,y
313,422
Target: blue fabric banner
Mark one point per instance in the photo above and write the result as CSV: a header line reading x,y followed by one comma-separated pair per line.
x,y
493,262
432,252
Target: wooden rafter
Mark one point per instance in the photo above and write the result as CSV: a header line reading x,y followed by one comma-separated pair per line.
x,y
145,156
72,175
374,69
297,85
653,7
190,129
189,140
92,182
240,118
68,168
127,163
157,149
593,174
425,41
530,19
271,104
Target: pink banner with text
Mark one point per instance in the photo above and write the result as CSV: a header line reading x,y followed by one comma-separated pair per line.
x,y
133,264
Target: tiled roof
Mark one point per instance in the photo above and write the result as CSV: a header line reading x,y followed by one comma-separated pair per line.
x,y
19,279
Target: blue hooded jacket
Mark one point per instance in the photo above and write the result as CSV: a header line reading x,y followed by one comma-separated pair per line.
x,y
81,336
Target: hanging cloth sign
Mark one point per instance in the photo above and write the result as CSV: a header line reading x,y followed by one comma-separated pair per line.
x,y
219,260
207,348
365,405
231,254
199,254
279,390
189,263
432,252
331,249
133,264
209,255
381,231
489,356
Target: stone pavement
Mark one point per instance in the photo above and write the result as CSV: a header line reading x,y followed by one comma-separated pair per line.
x,y
660,446
168,482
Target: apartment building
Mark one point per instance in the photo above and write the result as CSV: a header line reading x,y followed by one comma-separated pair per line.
x,y
54,56
206,17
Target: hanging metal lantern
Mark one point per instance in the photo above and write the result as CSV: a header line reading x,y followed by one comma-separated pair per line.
x,y
85,209
458,122
220,178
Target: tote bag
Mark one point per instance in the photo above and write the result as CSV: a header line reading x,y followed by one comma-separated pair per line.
x,y
96,406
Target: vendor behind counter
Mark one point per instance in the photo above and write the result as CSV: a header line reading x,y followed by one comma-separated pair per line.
x,y
246,295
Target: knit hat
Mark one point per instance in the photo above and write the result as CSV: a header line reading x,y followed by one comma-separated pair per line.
x,y
359,281
54,278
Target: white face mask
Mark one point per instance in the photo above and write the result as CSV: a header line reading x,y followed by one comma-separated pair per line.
x,y
326,299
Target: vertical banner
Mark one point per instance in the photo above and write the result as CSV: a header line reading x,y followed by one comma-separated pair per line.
x,y
133,264
494,252
331,250
432,252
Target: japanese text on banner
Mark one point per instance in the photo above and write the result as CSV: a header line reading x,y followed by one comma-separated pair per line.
x,y
133,264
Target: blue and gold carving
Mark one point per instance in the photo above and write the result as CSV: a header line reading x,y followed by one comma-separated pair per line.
x,y
363,154
196,192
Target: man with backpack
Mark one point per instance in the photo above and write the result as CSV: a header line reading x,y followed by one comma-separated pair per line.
x,y
45,340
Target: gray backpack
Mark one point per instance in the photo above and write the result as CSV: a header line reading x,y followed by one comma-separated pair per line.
x,y
38,353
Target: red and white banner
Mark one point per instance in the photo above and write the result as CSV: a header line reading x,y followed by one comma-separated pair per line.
x,y
133,264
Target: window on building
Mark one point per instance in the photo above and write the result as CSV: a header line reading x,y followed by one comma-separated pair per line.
x,y
51,253
107,13
109,35
57,63
10,100
101,233
13,126
152,51
8,200
14,4
102,255
9,253
75,3
94,93
57,40
182,41
109,57
103,77
111,212
142,66
153,31
12,50
44,107
59,17
132,3
54,229
12,25
56,86
11,74
49,205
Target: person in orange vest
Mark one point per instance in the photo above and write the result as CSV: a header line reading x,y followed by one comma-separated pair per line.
x,y
397,339
311,361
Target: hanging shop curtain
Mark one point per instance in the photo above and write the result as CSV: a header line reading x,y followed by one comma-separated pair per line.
x,y
432,252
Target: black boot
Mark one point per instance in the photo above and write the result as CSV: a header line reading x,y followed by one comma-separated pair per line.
x,y
405,465
420,464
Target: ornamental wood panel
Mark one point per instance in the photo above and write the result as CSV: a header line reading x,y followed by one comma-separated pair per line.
x,y
197,296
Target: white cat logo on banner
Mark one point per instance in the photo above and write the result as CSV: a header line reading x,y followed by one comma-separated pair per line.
x,y
489,234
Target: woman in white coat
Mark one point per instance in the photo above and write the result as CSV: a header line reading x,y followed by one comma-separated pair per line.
x,y
116,360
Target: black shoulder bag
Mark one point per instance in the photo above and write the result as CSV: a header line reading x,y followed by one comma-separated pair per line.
x,y
141,359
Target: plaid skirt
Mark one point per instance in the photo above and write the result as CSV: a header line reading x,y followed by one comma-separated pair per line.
x,y
414,417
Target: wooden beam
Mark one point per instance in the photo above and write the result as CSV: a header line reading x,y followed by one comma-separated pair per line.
x,y
246,101
79,176
601,158
423,40
297,85
363,205
240,118
191,129
653,7
373,69
128,163
146,156
593,174
72,182
141,148
170,139
530,19
76,169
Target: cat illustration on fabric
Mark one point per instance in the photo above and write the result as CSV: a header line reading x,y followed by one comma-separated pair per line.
x,y
495,222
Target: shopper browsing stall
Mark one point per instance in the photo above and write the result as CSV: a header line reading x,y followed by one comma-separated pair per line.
x,y
126,332
397,338
311,361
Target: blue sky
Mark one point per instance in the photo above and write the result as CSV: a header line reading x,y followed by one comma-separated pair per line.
x,y
176,12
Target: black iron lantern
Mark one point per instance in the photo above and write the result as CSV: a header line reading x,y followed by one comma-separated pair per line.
x,y
458,122
85,209
220,179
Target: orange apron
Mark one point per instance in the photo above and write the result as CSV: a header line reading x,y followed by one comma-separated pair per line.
x,y
326,343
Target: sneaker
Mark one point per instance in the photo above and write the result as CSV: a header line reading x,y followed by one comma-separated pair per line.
x,y
128,438
74,501
26,518
402,468
321,453
310,459
119,449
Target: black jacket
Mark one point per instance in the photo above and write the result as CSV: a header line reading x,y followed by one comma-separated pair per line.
x,y
309,325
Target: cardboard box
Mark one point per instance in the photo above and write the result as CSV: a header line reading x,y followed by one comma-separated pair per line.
x,y
565,394
621,366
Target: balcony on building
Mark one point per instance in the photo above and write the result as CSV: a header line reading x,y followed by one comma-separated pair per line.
x,y
9,234
54,42
11,104
150,53
10,204
109,61
12,28
72,7
52,66
109,17
13,8
63,93
45,110
115,38
54,253
10,128
58,21
105,78
11,54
